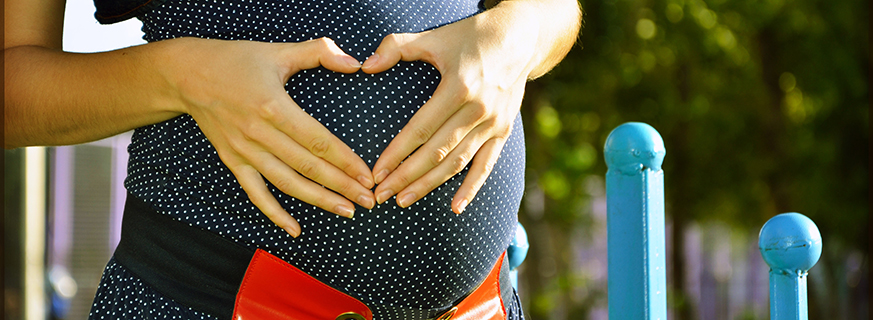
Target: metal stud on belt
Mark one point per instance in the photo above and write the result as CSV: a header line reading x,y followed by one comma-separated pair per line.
x,y
449,314
350,316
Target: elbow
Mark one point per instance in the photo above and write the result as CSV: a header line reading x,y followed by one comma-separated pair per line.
x,y
9,145
10,142
13,135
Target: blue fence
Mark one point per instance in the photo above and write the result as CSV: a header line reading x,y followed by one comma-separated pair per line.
x,y
790,243
635,223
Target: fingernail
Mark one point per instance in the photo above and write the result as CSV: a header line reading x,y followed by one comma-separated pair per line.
x,y
293,232
345,211
366,201
406,200
381,176
371,61
462,205
366,181
352,61
384,195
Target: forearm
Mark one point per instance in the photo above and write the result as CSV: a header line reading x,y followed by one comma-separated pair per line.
x,y
55,98
554,24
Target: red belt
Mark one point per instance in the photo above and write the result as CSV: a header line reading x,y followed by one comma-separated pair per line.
x,y
274,289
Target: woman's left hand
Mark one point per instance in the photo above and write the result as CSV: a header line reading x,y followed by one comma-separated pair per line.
x,y
484,61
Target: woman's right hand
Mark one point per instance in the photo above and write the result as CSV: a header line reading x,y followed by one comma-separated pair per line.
x,y
235,92
233,89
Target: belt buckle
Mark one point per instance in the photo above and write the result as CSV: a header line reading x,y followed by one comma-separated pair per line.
x,y
350,316
448,315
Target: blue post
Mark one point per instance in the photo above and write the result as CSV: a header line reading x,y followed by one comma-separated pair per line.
x,y
516,253
635,223
791,245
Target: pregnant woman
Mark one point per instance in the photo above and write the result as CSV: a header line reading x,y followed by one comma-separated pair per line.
x,y
395,182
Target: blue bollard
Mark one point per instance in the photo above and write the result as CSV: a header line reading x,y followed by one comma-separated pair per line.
x,y
790,244
516,253
635,223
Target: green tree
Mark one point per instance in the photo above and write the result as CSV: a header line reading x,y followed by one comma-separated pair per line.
x,y
763,106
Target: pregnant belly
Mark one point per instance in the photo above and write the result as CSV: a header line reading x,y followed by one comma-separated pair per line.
x,y
419,259
424,256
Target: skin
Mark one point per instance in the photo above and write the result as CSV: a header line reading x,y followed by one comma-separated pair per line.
x,y
234,90
471,113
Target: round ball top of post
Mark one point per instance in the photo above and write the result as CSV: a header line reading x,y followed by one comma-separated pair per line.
x,y
517,250
634,146
790,242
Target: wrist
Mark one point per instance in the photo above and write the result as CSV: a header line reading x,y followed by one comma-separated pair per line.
x,y
170,59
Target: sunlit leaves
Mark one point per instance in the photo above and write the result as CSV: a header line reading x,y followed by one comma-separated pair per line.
x,y
646,28
787,81
705,17
555,184
674,12
548,123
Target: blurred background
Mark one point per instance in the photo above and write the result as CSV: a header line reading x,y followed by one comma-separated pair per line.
x,y
62,205
763,106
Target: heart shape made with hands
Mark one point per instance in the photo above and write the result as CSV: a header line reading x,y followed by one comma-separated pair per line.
x,y
464,124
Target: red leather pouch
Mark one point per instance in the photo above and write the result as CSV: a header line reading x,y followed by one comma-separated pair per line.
x,y
274,289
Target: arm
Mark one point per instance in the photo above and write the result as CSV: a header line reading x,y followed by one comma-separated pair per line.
x,y
557,27
484,61
233,89
53,98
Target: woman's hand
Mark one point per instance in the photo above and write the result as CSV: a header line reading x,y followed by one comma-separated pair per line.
x,y
484,61
233,89
235,92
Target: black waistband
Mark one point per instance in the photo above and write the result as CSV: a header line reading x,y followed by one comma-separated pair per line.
x,y
194,267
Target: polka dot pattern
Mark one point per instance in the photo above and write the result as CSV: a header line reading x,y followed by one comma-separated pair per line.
x,y
408,263
122,295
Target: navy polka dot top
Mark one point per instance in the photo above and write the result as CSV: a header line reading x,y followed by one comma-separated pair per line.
x,y
421,258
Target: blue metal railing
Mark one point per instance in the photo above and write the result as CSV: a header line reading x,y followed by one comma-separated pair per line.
x,y
637,285
791,245
790,242
516,253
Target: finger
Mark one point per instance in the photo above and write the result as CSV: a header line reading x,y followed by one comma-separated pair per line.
x,y
433,153
483,164
253,184
318,140
320,171
453,164
396,47
426,121
293,184
320,52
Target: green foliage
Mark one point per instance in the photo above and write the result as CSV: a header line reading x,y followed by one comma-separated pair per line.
x,y
763,106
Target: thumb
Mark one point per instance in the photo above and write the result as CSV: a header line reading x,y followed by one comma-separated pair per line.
x,y
321,52
396,47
